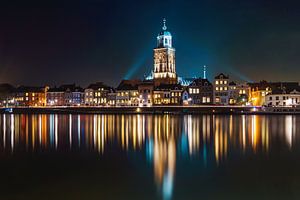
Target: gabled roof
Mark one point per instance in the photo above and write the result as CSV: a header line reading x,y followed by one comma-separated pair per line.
x,y
56,89
22,89
129,84
66,88
200,82
221,76
288,86
98,85
232,83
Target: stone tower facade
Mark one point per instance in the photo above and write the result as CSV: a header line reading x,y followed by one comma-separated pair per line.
x,y
164,59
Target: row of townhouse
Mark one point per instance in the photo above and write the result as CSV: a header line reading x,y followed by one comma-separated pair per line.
x,y
227,92
199,91
265,93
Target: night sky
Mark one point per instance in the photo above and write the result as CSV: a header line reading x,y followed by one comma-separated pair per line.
x,y
92,40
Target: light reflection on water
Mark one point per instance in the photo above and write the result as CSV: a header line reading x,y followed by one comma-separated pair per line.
x,y
163,138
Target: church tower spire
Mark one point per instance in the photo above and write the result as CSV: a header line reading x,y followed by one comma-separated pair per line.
x,y
164,58
164,24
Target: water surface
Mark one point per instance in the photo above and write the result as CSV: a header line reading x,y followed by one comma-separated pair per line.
x,y
149,157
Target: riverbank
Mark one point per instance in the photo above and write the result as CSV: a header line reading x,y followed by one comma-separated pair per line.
x,y
148,110
134,110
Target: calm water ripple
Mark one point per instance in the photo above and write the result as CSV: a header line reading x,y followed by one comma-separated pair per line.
x,y
149,157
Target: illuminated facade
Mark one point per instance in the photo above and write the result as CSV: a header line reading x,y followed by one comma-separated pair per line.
x,y
282,98
221,87
146,93
127,93
258,92
30,96
200,91
55,97
261,89
238,93
74,95
164,59
167,94
96,94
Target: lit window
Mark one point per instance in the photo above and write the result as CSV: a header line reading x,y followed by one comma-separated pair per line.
x,y
217,82
221,82
225,82
191,91
225,88
221,88
217,88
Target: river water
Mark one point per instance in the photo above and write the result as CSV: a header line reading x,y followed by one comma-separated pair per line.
x,y
149,156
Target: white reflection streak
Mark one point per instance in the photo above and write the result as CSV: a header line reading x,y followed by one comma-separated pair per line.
x,y
70,130
244,131
12,130
56,131
252,131
139,132
78,127
98,134
4,130
102,133
144,128
289,130
94,129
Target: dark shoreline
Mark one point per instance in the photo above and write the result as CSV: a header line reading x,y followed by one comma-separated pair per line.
x,y
142,110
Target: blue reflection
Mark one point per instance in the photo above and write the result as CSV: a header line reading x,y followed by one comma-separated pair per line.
x,y
149,149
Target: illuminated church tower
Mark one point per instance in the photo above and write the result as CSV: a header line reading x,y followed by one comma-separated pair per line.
x,y
164,59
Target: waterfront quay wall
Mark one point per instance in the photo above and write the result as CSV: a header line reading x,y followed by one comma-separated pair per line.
x,y
135,110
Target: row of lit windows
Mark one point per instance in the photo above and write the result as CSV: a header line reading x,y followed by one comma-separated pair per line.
x,y
283,98
27,99
242,92
194,90
221,82
176,94
127,93
221,88
148,96
205,99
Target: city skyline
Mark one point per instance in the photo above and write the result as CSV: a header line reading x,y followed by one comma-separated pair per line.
x,y
110,41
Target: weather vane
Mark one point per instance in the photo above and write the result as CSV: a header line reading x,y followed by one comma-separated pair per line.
x,y
164,22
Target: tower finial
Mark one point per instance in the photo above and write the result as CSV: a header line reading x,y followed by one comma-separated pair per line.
x,y
164,23
204,72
